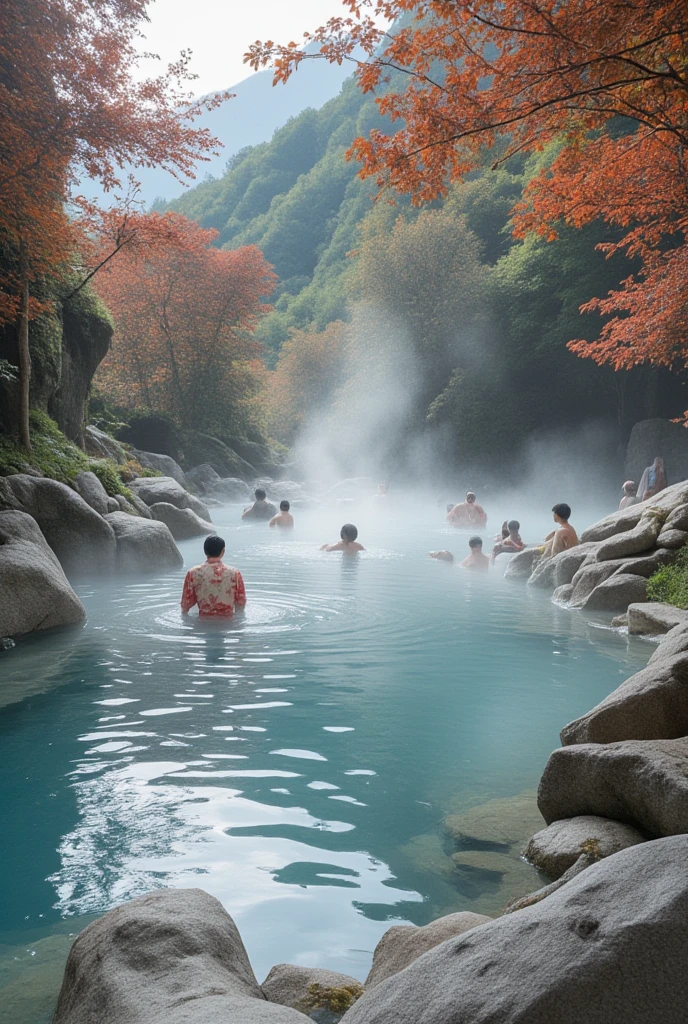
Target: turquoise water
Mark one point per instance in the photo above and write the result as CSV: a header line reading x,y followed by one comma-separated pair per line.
x,y
298,762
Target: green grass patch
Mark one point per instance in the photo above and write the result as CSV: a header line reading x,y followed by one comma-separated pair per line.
x,y
55,456
670,583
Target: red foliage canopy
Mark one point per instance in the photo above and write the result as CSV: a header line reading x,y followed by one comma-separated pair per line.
x,y
184,312
605,83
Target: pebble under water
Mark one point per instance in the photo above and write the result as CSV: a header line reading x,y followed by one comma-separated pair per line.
x,y
297,762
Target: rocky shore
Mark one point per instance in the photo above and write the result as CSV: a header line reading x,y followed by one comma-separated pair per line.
x,y
603,941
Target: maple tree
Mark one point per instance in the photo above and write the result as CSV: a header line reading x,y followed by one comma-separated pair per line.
x,y
71,105
184,312
310,368
603,86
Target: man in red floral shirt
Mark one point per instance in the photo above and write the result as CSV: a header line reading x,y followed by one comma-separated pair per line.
x,y
216,588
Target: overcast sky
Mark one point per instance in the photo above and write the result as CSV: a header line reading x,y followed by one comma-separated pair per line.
x,y
220,31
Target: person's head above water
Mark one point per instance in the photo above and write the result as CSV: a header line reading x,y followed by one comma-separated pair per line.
x,y
284,506
214,547
348,532
259,494
513,526
470,497
562,512
475,543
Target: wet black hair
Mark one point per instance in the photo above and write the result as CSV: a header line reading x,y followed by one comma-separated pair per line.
x,y
213,547
514,524
562,510
470,494
259,494
475,542
348,532
284,506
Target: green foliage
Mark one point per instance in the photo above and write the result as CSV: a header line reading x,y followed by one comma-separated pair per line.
x,y
7,370
670,583
55,456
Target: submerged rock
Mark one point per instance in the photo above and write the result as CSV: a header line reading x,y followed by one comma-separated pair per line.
x,y
172,957
504,821
311,988
34,592
653,618
609,946
183,523
81,538
143,545
403,943
651,705
585,860
557,848
641,782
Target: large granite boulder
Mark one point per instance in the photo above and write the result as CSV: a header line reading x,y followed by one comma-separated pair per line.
x,y
653,618
616,593
677,519
172,957
164,464
672,643
589,577
183,523
560,570
557,848
651,705
402,944
101,446
311,988
155,489
202,448
632,542
34,592
521,565
607,947
204,478
92,491
81,538
628,518
641,782
672,539
143,545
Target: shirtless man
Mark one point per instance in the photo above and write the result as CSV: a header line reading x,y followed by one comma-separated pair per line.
x,y
476,559
260,509
511,543
563,538
468,513
348,543
284,519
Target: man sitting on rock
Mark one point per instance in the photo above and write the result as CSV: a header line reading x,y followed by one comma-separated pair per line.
x,y
630,494
216,588
563,538
260,509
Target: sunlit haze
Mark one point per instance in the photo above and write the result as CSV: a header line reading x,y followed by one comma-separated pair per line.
x,y
219,32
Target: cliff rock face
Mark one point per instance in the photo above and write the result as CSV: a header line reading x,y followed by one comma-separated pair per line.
x,y
651,438
67,346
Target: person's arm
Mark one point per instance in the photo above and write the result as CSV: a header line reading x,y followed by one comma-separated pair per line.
x,y
245,513
332,547
188,594
239,589
273,522
550,535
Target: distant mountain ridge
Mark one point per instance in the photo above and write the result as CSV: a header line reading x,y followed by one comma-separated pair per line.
x,y
256,110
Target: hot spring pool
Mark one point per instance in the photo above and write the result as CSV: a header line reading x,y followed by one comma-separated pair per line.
x,y
297,762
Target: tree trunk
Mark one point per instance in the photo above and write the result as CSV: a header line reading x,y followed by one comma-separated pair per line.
x,y
24,368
